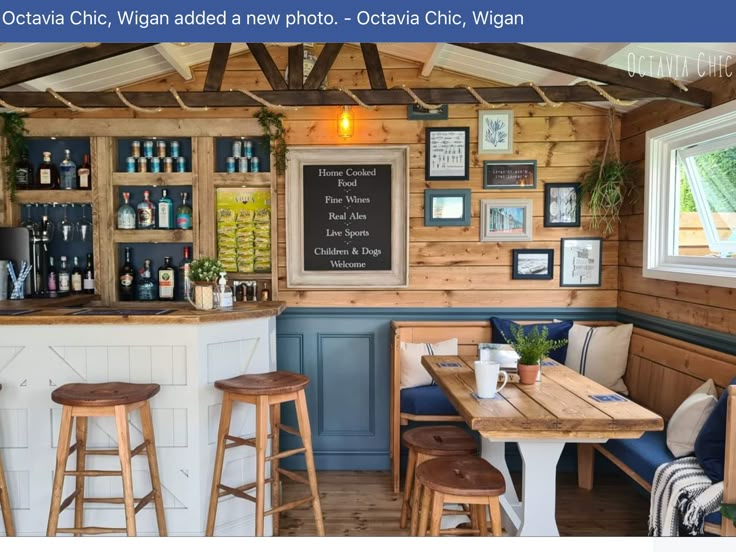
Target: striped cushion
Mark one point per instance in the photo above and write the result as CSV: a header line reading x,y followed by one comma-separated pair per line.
x,y
600,353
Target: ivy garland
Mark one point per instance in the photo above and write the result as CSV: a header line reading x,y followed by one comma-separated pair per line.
x,y
13,130
273,132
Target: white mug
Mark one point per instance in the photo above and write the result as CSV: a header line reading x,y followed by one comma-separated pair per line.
x,y
486,378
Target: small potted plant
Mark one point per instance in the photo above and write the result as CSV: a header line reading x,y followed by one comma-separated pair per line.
x,y
203,273
531,347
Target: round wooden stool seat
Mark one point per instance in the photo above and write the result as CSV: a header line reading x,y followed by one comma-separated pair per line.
x,y
271,383
442,440
461,475
103,394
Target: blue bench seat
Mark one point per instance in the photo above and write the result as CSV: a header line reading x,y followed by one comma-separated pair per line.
x,y
426,400
643,455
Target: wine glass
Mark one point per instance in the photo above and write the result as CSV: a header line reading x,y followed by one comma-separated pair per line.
x,y
65,227
46,227
28,222
84,226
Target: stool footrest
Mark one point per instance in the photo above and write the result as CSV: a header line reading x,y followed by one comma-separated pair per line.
x,y
73,448
68,500
240,491
289,429
145,500
293,476
92,530
290,505
285,454
102,452
111,500
459,531
94,473
140,449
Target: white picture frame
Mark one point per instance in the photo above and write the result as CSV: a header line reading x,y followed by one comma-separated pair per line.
x,y
495,131
506,220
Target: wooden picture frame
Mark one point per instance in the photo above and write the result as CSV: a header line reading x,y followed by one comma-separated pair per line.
x,y
347,217
508,175
562,205
447,207
495,131
581,262
533,264
506,220
447,153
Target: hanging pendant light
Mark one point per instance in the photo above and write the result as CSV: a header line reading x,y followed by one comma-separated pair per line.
x,y
345,123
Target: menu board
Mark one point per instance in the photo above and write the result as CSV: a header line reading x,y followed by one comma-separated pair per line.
x,y
244,229
347,217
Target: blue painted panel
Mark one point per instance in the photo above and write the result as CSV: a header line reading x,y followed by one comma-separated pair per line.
x,y
290,352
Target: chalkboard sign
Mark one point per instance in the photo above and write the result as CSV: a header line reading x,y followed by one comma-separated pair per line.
x,y
346,217
509,174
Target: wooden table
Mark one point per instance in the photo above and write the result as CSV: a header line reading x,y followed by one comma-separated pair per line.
x,y
541,418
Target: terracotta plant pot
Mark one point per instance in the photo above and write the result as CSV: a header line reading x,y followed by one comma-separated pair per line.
x,y
528,373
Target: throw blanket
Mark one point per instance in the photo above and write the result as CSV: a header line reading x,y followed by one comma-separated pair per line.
x,y
682,495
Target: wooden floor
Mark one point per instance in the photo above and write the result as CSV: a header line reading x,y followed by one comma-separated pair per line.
x,y
361,504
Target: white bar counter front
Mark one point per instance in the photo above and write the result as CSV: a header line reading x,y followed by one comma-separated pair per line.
x,y
185,351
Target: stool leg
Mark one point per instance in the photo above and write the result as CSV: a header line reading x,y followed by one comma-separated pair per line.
x,y
424,510
150,439
416,508
261,442
494,505
275,477
306,434
62,454
408,485
5,503
225,414
438,503
81,423
121,423
480,516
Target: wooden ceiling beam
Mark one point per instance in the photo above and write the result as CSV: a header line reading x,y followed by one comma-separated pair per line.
x,y
216,68
267,65
64,61
172,55
431,61
322,66
592,71
296,67
373,65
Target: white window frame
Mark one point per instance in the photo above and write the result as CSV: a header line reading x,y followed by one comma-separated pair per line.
x,y
661,200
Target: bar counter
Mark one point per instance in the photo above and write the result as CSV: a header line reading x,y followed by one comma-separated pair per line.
x,y
183,350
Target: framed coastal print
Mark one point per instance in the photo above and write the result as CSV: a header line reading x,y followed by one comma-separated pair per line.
x,y
505,175
532,264
446,153
580,262
447,207
505,220
495,131
562,205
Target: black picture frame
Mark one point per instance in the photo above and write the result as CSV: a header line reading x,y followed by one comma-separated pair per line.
x,y
447,155
588,276
509,175
415,112
429,214
532,271
557,208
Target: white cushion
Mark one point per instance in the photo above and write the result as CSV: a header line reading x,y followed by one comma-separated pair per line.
x,y
688,419
413,373
600,353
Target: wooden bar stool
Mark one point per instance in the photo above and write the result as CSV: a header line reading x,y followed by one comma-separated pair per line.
x,y
5,501
460,480
425,443
266,392
87,400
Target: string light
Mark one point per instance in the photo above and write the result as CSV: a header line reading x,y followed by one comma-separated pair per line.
x,y
266,103
417,99
13,108
606,95
184,106
69,104
135,107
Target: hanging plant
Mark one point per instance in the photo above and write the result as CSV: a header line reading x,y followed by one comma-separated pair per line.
x,y
13,130
607,184
274,134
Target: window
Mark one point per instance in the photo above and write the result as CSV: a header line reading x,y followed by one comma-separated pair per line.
x,y
690,212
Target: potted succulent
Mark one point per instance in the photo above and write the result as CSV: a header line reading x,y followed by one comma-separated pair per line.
x,y
203,273
531,347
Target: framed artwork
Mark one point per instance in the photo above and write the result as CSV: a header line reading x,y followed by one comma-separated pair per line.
x,y
562,205
415,112
580,263
495,131
446,153
533,264
504,175
505,220
447,207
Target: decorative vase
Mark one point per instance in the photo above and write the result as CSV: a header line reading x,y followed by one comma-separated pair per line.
x,y
528,373
203,295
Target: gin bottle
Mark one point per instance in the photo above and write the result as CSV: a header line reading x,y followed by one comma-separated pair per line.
x,y
165,211
184,214
68,170
126,214
146,290
146,213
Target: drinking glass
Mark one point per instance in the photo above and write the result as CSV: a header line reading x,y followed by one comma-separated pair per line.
x,y
28,222
65,227
84,225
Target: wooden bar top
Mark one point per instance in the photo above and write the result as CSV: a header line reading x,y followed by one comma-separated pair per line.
x,y
135,313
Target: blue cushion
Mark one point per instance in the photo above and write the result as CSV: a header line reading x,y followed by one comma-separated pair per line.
x,y
643,455
557,330
710,445
426,400
715,517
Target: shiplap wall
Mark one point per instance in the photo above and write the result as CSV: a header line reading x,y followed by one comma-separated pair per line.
x,y
448,266
705,306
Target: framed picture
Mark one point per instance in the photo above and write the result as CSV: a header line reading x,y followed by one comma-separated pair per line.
x,y
503,175
505,220
532,264
580,263
415,112
495,131
562,205
446,153
447,207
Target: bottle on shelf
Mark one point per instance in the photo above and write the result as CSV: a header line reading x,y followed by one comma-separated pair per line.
x,y
265,294
145,213
67,172
52,284
88,281
184,213
126,214
165,211
84,174
146,290
24,172
166,281
64,276
48,173
127,278
184,283
76,280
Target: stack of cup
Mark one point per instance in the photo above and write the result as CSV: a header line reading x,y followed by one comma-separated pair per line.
x,y
3,280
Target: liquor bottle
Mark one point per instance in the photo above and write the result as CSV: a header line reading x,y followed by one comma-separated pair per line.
x,y
126,214
48,174
68,172
146,286
184,213
52,284
24,172
127,279
166,281
88,282
84,174
64,277
165,211
265,294
76,277
145,212
184,283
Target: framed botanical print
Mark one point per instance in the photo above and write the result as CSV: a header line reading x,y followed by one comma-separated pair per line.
x,y
447,207
446,153
562,205
505,220
580,262
495,131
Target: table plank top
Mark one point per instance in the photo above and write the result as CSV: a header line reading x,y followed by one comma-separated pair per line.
x,y
562,405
